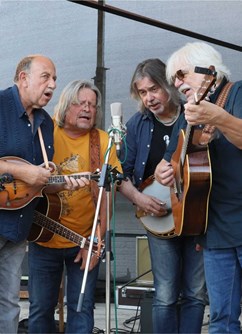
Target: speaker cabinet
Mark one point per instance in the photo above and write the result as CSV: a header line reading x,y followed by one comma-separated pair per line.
x,y
143,263
146,326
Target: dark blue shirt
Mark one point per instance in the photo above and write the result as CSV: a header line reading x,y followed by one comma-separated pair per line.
x,y
18,139
140,130
225,204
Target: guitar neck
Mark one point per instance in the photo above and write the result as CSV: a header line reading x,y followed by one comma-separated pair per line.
x,y
208,81
57,228
185,144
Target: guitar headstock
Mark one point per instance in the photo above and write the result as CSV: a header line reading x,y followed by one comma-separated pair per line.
x,y
209,79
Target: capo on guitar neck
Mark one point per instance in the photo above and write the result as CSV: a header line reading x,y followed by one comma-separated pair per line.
x,y
205,70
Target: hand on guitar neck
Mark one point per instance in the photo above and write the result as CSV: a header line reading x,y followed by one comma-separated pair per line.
x,y
17,194
70,182
197,110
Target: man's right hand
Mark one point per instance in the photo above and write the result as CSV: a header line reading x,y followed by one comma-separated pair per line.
x,y
36,175
150,205
164,173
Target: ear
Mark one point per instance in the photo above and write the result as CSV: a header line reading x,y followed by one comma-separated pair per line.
x,y
23,78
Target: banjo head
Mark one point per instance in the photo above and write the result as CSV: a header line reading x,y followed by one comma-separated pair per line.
x,y
162,227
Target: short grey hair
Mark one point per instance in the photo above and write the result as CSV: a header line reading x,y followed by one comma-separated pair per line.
x,y
155,70
69,95
25,65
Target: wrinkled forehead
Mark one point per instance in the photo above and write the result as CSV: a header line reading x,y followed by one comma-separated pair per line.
x,y
42,64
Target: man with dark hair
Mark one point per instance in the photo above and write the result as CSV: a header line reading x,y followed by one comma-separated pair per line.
x,y
176,264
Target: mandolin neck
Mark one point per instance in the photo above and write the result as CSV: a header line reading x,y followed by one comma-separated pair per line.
x,y
58,179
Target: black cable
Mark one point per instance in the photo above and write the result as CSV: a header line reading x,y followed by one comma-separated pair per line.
x,y
134,319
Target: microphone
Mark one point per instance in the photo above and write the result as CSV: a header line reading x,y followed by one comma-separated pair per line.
x,y
118,130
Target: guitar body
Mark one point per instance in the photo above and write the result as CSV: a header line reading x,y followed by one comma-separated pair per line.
x,y
50,206
190,194
46,224
17,194
192,171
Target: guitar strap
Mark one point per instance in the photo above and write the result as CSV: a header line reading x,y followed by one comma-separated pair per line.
x,y
94,160
95,163
209,131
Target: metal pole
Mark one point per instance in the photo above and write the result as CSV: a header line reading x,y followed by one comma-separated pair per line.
x,y
108,270
100,78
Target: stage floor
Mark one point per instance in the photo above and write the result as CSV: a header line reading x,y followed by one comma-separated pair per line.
x,y
126,320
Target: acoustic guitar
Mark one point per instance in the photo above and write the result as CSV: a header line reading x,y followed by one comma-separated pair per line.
x,y
17,194
46,224
192,172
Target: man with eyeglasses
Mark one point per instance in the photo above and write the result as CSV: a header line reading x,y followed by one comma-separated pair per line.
x,y
222,243
79,146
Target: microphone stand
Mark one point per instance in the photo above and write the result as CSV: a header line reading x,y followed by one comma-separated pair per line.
x,y
104,183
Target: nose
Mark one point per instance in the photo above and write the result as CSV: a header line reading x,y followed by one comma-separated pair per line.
x,y
52,83
178,82
86,106
149,96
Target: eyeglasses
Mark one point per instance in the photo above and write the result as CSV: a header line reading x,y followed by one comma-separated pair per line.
x,y
180,75
84,104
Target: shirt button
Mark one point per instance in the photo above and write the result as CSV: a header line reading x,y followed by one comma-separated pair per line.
x,y
29,124
140,178
21,216
148,145
143,163
151,130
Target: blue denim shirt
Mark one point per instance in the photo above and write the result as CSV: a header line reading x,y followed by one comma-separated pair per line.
x,y
225,204
138,139
18,139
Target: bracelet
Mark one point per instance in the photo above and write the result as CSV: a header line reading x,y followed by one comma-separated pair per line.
x,y
95,239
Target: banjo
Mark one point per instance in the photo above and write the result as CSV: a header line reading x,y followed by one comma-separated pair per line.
x,y
162,227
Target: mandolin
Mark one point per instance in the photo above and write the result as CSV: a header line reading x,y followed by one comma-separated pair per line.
x,y
16,194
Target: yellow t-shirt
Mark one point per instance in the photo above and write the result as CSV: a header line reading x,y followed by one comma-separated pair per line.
x,y
78,209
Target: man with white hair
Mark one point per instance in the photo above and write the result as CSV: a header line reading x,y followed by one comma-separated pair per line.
x,y
222,243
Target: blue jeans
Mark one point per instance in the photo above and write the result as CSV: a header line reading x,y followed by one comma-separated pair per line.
x,y
46,267
223,277
11,258
180,292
